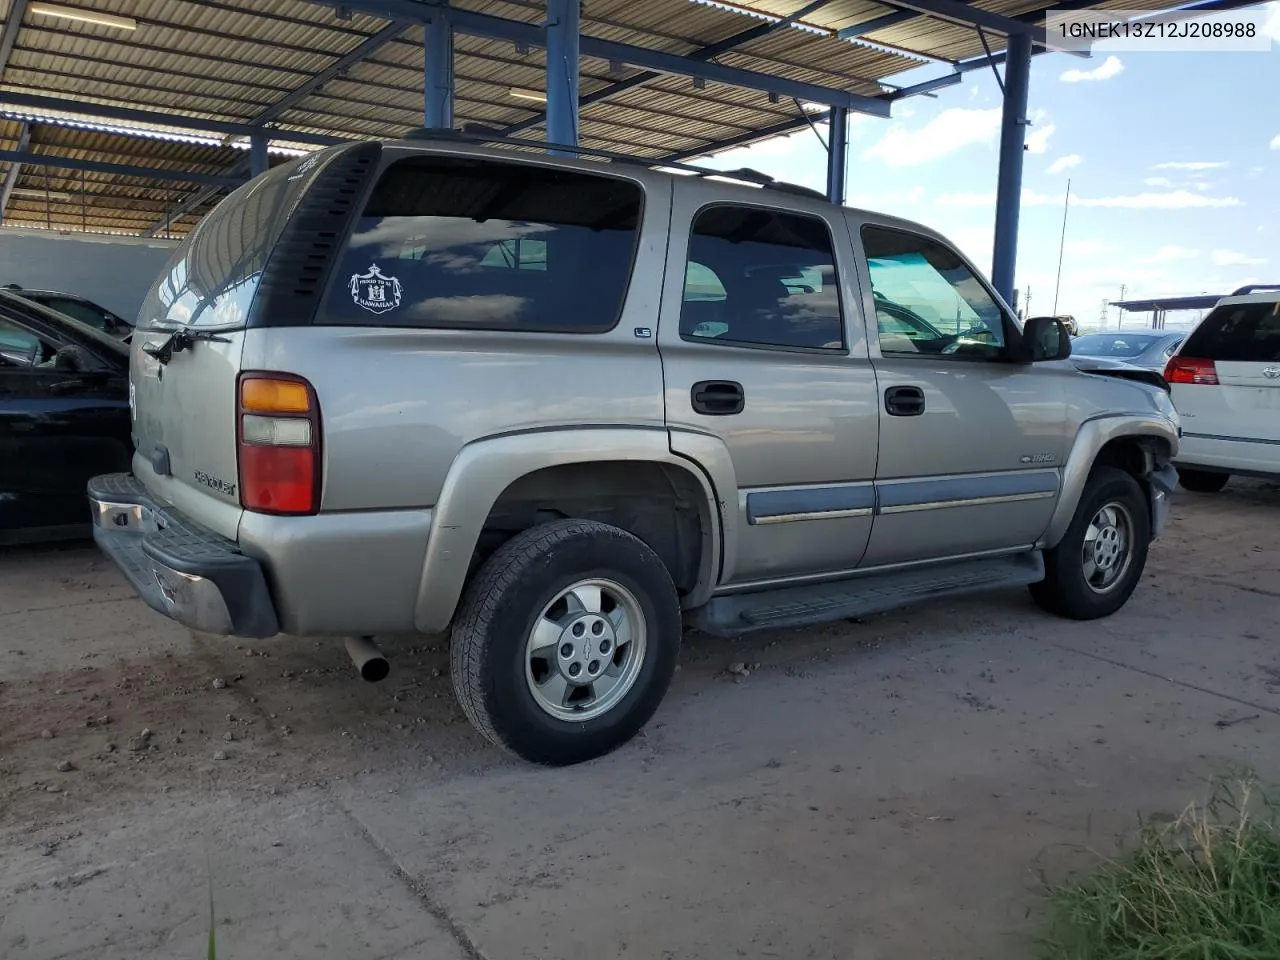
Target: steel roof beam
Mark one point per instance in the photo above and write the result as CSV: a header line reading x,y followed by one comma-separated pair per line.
x,y
703,53
879,23
362,51
968,15
532,34
193,201
12,24
123,169
15,171
32,101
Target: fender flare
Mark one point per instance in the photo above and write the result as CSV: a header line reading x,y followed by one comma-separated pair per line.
x,y
1091,438
483,469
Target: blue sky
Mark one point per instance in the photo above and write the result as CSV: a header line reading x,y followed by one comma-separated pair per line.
x,y
1174,160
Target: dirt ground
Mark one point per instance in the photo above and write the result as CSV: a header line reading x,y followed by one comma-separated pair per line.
x,y
898,788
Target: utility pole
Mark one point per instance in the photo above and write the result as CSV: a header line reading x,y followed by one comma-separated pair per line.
x,y
1120,313
1026,303
1102,316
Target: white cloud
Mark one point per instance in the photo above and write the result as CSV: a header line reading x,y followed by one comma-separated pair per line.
x,y
1158,182
1038,139
1089,248
1232,258
1172,200
1203,186
1193,165
1111,67
1063,164
1272,25
915,194
974,91
1165,254
951,130
1275,142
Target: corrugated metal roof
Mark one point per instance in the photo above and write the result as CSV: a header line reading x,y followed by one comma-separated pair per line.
x,y
232,59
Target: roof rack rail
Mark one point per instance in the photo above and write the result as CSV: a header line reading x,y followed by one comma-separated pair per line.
x,y
1254,287
475,133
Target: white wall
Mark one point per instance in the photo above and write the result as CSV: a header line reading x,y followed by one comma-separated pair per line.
x,y
114,271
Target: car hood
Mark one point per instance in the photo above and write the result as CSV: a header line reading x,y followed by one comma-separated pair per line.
x,y
1110,367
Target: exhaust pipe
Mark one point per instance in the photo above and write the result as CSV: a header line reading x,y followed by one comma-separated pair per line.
x,y
368,659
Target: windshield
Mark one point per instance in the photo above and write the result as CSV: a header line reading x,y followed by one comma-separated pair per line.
x,y
1111,344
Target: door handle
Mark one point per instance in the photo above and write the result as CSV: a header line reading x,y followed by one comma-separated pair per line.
x,y
904,401
718,398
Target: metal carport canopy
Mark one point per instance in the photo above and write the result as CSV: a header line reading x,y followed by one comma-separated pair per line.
x,y
198,87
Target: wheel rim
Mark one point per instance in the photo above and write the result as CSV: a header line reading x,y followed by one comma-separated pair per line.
x,y
585,650
1108,547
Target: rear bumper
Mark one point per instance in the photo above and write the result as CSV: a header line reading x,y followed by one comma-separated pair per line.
x,y
178,567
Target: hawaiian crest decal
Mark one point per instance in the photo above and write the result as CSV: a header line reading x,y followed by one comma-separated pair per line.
x,y
375,291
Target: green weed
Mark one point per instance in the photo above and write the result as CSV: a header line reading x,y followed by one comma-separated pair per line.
x,y
1205,886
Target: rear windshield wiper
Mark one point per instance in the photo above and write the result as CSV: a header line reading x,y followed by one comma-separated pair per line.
x,y
178,341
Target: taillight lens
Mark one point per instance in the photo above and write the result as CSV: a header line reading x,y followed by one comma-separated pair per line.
x,y
1191,370
278,440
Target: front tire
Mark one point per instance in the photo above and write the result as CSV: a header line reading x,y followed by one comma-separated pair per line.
x,y
566,641
1095,568
1202,481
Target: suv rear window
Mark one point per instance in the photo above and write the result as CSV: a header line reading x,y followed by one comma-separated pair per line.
x,y
482,244
1238,332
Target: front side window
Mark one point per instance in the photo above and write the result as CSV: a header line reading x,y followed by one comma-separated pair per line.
x,y
928,301
763,278
491,245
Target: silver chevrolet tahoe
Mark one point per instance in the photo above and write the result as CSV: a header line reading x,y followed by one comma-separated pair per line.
x,y
559,407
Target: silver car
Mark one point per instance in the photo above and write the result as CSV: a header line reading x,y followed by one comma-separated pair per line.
x,y
1148,349
556,406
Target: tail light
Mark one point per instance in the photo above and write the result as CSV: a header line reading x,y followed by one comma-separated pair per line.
x,y
278,444
1191,370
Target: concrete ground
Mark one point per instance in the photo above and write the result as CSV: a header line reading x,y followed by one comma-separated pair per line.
x,y
900,788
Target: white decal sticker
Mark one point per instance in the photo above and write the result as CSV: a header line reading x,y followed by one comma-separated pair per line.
x,y
305,167
375,291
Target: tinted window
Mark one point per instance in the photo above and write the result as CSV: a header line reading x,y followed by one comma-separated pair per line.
x,y
1111,345
212,275
84,311
1242,332
20,347
458,242
761,277
927,299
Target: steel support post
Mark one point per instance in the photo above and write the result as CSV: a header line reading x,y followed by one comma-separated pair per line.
x,y
563,18
837,154
258,161
1013,132
437,49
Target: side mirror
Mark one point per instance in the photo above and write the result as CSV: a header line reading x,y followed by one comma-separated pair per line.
x,y
1045,338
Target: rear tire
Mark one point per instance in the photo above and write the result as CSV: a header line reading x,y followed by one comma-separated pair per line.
x,y
566,641
1202,481
1094,569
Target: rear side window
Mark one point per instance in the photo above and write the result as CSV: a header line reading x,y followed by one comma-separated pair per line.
x,y
212,275
763,278
1238,332
480,244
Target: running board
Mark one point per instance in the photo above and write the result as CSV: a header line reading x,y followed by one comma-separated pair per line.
x,y
730,616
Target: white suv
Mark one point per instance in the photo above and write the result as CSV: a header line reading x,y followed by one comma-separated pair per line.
x,y
1226,386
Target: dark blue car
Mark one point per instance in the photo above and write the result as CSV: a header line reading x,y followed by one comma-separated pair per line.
x,y
64,417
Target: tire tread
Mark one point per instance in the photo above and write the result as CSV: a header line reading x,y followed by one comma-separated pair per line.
x,y
507,566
